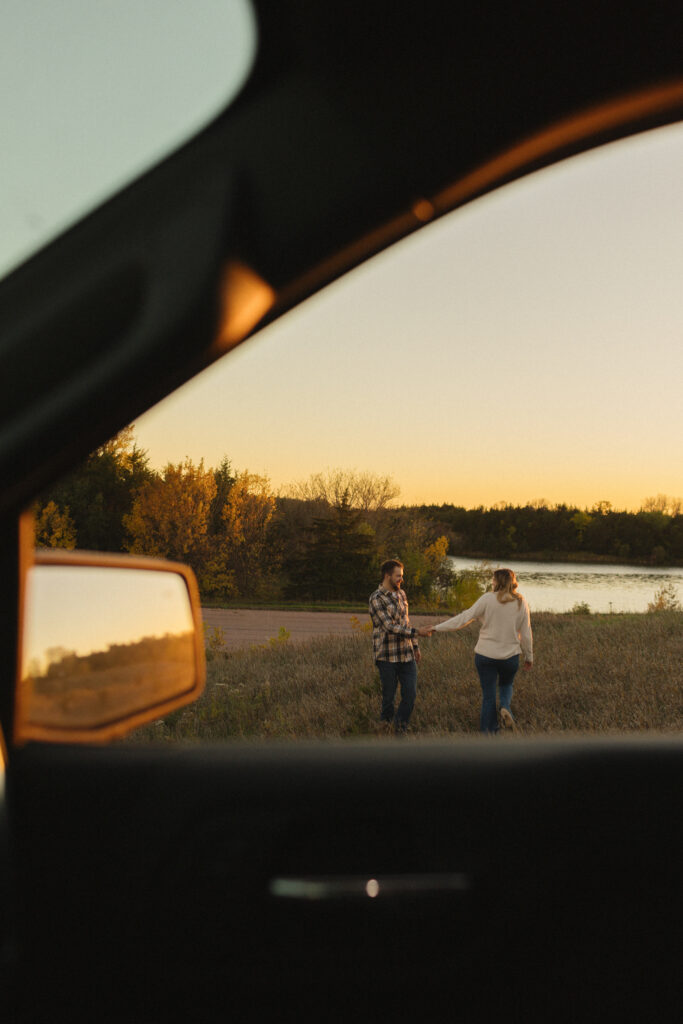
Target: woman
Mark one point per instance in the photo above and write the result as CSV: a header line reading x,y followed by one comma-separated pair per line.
x,y
505,634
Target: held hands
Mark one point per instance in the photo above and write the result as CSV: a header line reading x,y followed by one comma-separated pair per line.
x,y
425,631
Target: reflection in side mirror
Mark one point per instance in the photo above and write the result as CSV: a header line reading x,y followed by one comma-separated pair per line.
x,y
106,647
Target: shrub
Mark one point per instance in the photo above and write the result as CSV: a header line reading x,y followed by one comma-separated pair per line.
x,y
665,600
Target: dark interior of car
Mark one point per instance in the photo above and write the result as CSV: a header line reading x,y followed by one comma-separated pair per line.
x,y
539,879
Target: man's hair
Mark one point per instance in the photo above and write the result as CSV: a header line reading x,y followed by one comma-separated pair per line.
x,y
386,568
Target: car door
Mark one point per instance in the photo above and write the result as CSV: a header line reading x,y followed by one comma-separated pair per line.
x,y
538,880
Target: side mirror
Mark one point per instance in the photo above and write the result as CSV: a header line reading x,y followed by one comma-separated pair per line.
x,y
108,643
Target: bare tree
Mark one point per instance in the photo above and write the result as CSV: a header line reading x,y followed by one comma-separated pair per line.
x,y
663,503
364,491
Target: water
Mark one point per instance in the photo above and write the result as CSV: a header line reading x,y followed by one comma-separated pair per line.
x,y
558,586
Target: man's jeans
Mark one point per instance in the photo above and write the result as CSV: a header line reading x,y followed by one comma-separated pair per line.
x,y
391,673
492,670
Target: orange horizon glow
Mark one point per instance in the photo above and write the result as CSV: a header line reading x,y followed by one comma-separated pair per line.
x,y
470,495
526,346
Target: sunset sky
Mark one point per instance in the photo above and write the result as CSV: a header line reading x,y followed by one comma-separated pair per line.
x,y
528,346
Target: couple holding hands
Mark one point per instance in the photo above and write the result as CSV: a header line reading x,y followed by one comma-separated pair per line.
x,y
505,635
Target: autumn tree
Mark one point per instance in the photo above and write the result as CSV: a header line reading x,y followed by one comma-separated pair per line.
x,y
424,553
170,515
54,527
246,516
242,561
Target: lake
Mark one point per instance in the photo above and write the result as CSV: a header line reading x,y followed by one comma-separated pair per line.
x,y
558,586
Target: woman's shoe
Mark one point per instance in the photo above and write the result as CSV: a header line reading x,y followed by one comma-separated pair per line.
x,y
507,720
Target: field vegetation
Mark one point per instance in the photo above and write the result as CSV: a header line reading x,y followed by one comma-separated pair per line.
x,y
597,674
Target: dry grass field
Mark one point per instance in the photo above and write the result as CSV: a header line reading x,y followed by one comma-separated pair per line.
x,y
598,674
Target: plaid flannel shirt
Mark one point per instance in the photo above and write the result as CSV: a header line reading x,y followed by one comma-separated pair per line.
x,y
393,638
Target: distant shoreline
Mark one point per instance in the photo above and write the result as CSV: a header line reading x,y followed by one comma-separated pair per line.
x,y
567,558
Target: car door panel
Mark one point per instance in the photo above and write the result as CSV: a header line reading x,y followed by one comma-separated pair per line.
x,y
151,873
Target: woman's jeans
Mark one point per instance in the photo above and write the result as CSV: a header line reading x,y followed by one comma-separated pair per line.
x,y
492,671
391,673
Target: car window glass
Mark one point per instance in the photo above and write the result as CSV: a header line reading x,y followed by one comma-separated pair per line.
x,y
519,360
95,94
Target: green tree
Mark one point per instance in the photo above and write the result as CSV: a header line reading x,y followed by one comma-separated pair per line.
x,y
101,491
580,522
337,557
224,478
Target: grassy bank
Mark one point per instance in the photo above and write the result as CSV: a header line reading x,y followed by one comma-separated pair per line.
x,y
593,673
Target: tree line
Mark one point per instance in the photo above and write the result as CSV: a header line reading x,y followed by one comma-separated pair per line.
x,y
325,538
653,535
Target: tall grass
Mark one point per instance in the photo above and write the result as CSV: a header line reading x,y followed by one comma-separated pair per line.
x,y
592,673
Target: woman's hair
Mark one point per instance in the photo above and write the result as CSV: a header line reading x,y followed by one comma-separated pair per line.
x,y
505,586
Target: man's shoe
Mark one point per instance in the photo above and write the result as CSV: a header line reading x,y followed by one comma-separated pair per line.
x,y
507,721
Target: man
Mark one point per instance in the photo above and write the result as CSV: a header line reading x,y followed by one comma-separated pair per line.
x,y
396,651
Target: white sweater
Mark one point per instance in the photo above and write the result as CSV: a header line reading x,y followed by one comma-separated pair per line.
x,y
505,628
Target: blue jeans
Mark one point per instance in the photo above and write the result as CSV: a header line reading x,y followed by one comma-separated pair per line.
x,y
391,673
492,671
